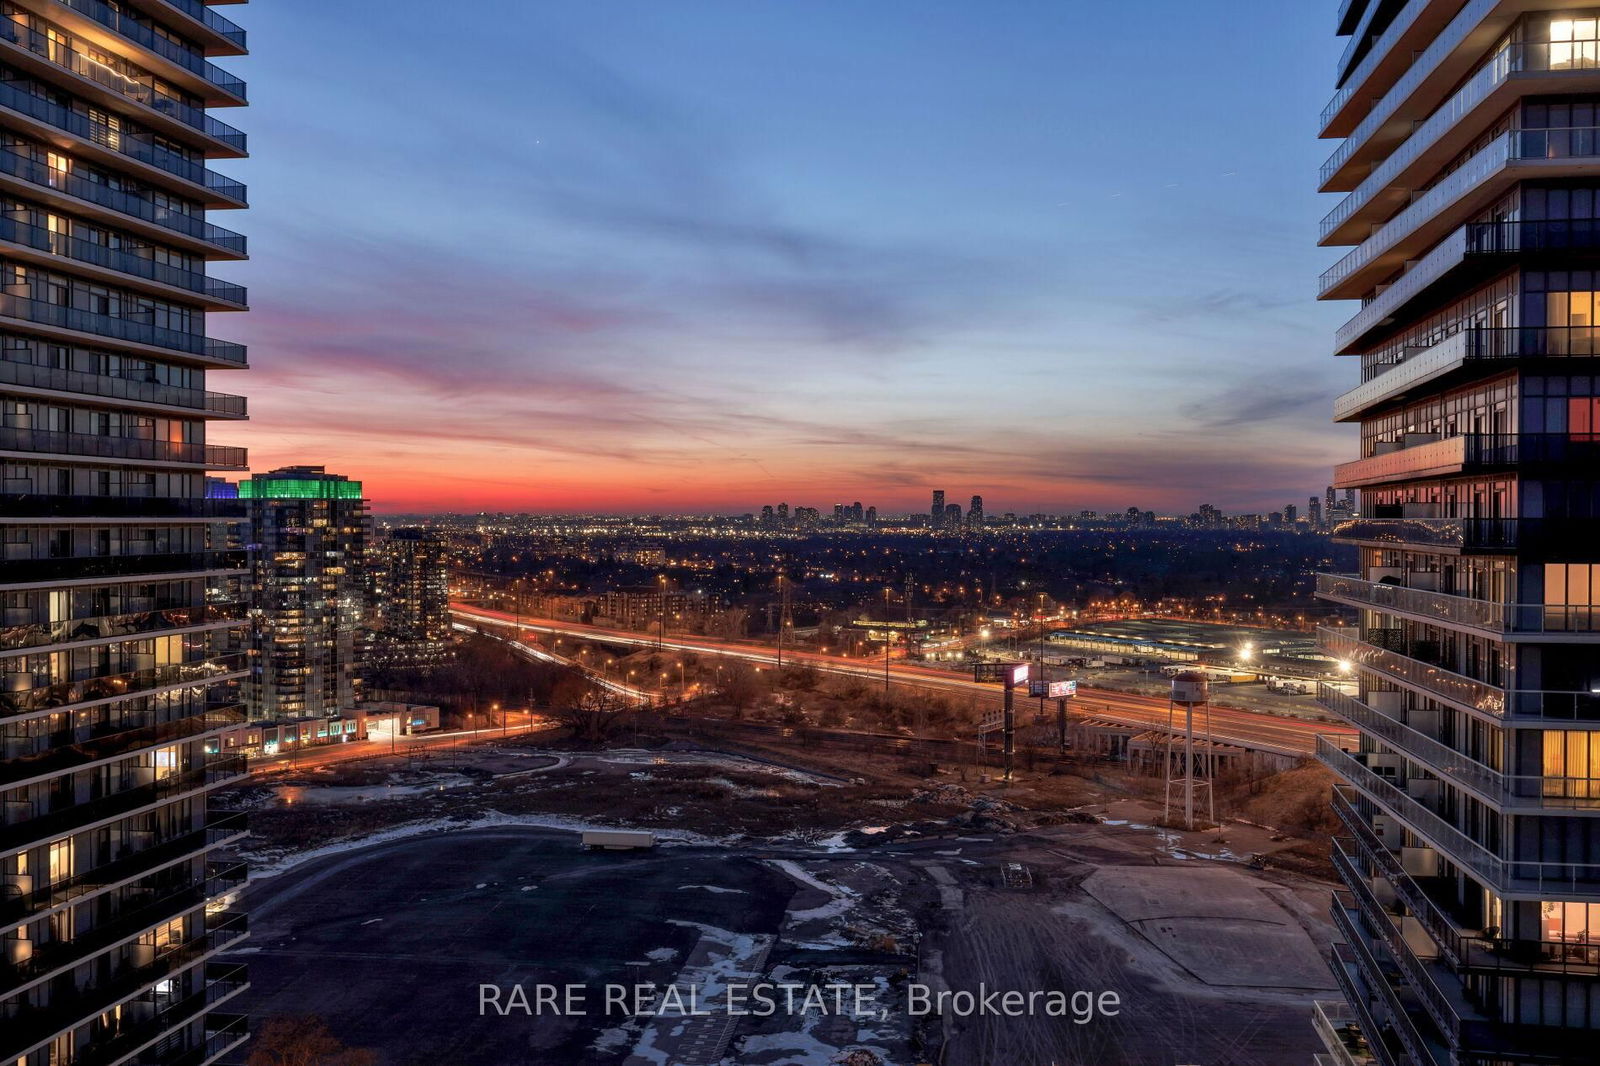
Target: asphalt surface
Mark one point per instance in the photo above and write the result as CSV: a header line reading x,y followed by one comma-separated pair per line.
x,y
390,943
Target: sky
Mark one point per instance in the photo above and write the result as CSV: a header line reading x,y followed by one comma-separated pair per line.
x,y
705,255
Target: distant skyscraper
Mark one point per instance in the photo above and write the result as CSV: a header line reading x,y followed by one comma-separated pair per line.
x,y
975,512
783,512
1314,512
1471,801
938,507
952,516
308,535
872,516
1291,514
408,599
120,653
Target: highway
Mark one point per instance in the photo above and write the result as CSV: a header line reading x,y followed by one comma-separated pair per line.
x,y
1247,729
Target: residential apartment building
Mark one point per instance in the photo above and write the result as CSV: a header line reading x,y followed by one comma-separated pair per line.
x,y
120,642
1468,171
408,599
307,537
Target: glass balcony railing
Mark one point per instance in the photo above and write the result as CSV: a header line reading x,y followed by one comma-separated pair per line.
x,y
42,505
214,22
143,208
137,327
163,851
19,833
1509,791
56,759
1498,618
133,564
220,404
1476,239
139,266
1422,67
109,626
212,456
25,692
136,91
79,125
222,982
1432,679
1505,876
1431,459
1401,23
1491,160
124,979
142,34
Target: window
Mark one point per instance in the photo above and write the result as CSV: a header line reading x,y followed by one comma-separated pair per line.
x,y
1571,764
1572,44
1571,595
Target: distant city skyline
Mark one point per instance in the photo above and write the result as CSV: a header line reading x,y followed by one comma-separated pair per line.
x,y
700,254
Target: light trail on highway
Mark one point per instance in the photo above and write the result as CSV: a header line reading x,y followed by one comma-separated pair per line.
x,y
1248,729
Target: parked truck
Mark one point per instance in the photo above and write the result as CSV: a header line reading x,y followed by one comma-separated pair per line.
x,y
618,839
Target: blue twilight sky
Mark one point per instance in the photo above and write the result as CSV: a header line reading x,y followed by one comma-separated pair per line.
x,y
677,255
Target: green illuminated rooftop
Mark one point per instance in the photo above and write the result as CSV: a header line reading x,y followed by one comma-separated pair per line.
x,y
299,483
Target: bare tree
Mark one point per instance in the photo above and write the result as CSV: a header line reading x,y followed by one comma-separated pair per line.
x,y
304,1040
593,717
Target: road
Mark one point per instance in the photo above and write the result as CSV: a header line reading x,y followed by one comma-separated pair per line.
x,y
1248,729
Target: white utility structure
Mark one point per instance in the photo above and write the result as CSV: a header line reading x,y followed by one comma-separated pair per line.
x,y
1190,689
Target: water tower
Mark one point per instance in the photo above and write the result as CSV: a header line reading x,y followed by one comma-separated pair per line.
x,y
1190,689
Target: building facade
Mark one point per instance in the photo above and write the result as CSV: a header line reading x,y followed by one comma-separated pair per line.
x,y
308,544
121,643
408,601
1468,169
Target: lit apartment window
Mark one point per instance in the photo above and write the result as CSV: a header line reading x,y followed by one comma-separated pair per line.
x,y
1572,765
1572,43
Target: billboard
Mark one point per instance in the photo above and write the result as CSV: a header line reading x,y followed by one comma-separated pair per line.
x,y
1060,690
1010,673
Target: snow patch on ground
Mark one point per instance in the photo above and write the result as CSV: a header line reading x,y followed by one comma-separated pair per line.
x,y
271,865
718,889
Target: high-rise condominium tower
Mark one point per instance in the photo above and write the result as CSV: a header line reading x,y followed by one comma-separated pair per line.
x,y
308,585
408,599
1468,167
119,652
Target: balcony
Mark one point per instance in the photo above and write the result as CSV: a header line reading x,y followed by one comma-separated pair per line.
x,y
1476,243
127,390
1386,62
1553,536
137,327
27,1032
1498,619
38,505
1429,679
217,190
232,38
42,694
163,106
224,1032
119,626
1530,879
1428,77
223,982
220,829
1437,458
1415,370
35,758
1507,792
212,773
218,294
1411,1049
66,183
1464,950
1341,1033
230,90
136,449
